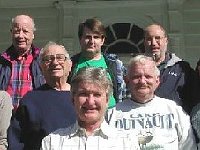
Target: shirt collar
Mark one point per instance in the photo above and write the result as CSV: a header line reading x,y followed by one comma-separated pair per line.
x,y
103,131
10,54
164,63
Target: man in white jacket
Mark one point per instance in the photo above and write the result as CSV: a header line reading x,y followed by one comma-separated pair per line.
x,y
159,123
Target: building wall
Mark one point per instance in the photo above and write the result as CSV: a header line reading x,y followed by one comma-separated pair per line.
x,y
191,30
58,20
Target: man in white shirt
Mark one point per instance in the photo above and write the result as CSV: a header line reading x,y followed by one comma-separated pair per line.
x,y
159,123
90,89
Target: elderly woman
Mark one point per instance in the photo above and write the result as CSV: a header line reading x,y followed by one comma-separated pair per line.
x,y
47,108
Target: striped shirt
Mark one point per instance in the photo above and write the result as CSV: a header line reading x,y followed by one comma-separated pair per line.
x,y
74,138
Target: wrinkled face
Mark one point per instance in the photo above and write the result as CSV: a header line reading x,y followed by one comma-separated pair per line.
x,y
155,41
142,81
90,102
22,33
55,64
91,42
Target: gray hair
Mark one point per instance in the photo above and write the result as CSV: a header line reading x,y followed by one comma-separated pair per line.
x,y
32,20
92,75
141,59
46,47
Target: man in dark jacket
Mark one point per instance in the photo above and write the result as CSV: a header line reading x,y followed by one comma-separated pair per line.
x,y
91,36
19,66
177,78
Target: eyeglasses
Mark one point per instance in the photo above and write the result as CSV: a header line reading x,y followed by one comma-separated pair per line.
x,y
50,58
157,38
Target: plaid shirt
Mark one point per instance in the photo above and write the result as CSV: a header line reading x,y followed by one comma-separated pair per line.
x,y
21,79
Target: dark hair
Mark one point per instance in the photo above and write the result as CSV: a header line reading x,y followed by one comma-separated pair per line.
x,y
94,25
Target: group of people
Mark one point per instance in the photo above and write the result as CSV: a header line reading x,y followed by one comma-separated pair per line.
x,y
51,101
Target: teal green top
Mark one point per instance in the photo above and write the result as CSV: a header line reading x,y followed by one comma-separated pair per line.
x,y
83,62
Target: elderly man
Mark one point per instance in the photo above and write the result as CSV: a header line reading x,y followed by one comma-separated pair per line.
x,y
92,35
5,113
47,108
158,122
91,89
19,66
178,81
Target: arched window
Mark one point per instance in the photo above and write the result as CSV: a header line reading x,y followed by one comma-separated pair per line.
x,y
124,38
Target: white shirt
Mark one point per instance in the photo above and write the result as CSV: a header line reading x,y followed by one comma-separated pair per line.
x,y
74,138
159,124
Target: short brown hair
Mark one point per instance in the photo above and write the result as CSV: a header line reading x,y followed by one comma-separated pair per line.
x,y
94,25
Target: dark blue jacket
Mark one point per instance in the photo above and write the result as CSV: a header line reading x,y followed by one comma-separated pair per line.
x,y
40,112
6,69
178,82
195,121
115,68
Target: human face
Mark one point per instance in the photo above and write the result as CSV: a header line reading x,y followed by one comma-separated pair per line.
x,y
22,33
155,42
90,101
57,68
142,81
91,42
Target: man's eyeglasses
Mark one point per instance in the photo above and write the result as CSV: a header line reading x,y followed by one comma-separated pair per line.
x,y
157,38
50,58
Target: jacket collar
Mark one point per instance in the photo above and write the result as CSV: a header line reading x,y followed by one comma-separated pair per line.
x,y
11,54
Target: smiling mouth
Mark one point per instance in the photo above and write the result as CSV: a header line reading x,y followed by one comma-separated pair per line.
x,y
142,87
155,49
52,70
89,109
20,43
90,47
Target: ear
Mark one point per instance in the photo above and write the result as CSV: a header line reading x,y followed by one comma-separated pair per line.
x,y
157,81
166,41
40,64
107,96
126,79
102,39
70,65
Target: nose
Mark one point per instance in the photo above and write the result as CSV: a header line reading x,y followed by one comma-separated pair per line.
x,y
153,41
54,60
91,39
90,99
21,33
142,79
